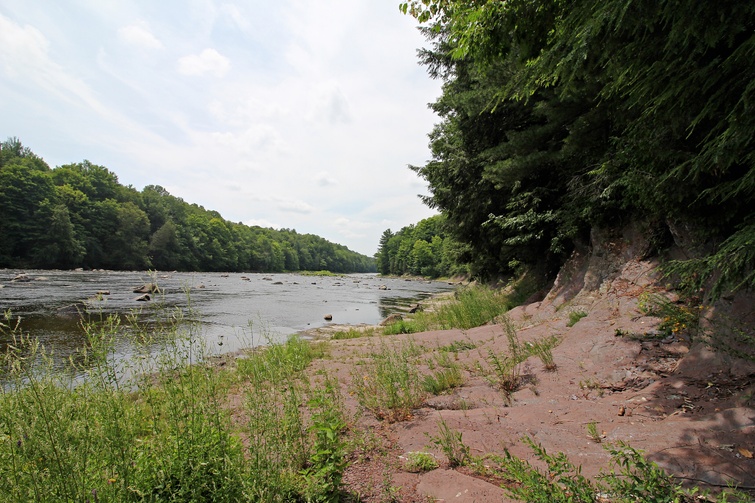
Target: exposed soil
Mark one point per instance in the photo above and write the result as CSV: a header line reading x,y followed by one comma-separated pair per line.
x,y
688,408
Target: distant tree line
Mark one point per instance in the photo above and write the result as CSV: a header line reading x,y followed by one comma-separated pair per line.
x,y
79,215
561,117
424,249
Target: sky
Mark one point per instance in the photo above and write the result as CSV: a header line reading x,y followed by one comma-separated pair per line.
x,y
297,114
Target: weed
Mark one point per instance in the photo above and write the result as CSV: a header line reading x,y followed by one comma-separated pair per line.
x,y
471,307
505,371
593,433
457,346
390,386
443,379
543,349
417,462
675,317
575,316
327,461
630,478
353,333
450,442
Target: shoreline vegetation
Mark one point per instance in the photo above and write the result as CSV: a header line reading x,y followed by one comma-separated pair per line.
x,y
174,425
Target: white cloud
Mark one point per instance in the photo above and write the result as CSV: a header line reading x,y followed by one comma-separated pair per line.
x,y
292,206
310,127
324,179
236,16
139,36
258,139
330,106
262,223
208,61
21,46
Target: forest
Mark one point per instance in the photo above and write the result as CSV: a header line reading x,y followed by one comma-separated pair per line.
x,y
561,117
79,215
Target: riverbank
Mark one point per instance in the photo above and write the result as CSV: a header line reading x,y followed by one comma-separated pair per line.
x,y
615,377
438,414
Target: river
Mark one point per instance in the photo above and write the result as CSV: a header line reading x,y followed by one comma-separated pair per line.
x,y
233,310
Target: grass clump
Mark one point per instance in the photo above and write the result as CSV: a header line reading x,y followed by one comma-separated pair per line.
x,y
353,333
322,273
457,346
389,384
450,442
471,307
543,349
505,371
445,375
418,462
575,316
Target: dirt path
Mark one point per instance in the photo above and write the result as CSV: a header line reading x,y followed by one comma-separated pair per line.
x,y
689,409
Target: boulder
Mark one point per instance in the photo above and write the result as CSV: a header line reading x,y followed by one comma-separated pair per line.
x,y
328,317
147,288
382,287
22,278
143,298
390,320
416,308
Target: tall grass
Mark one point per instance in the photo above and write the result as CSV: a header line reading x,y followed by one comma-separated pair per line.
x,y
390,385
157,427
471,307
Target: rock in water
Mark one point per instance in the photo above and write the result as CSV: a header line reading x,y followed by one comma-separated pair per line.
x,y
147,288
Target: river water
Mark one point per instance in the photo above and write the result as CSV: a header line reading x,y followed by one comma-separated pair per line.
x,y
233,310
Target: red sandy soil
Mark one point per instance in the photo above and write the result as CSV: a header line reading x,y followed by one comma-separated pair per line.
x,y
686,407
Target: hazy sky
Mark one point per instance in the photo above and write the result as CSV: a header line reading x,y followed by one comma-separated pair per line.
x,y
301,114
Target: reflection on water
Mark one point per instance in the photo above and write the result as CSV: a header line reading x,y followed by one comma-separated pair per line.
x,y
230,311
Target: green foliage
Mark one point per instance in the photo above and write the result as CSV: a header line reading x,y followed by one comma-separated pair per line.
x,y
450,442
557,117
418,462
575,316
675,317
561,482
457,346
353,333
159,435
504,371
593,433
543,349
328,459
472,306
78,215
389,384
630,478
158,427
445,375
424,249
